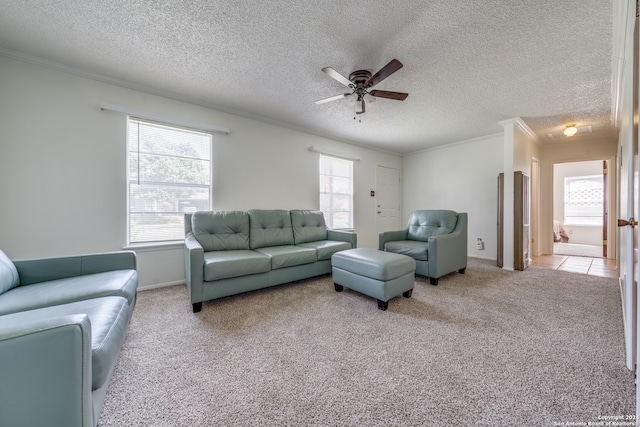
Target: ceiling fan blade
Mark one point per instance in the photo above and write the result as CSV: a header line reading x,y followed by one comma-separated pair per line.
x,y
393,66
332,98
336,75
399,96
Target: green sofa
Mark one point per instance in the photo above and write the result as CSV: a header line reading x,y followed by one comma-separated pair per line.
x,y
230,252
62,324
436,239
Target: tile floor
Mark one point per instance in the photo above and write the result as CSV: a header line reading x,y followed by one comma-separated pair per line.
x,y
578,264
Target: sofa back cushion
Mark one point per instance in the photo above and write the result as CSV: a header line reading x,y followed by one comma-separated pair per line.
x,y
308,226
426,223
8,274
221,230
270,228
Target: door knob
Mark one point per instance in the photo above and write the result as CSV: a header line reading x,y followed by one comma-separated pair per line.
x,y
623,222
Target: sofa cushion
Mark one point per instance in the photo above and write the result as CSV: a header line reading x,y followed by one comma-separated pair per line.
x,y
325,248
221,230
413,248
288,256
225,264
427,223
8,274
308,226
109,317
270,228
123,283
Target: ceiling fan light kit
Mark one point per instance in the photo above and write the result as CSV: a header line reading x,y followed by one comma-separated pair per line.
x,y
361,81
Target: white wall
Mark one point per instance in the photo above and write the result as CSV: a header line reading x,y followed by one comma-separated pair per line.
x,y
461,177
62,167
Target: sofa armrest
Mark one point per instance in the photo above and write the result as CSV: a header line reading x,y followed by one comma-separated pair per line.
x,y
45,269
343,236
391,236
45,366
194,267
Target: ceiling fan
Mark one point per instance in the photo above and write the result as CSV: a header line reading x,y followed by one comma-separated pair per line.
x,y
361,81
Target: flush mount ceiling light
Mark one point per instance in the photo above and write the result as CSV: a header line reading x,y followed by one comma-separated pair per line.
x,y
571,130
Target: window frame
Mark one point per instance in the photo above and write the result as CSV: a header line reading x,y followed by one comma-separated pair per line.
x,y
569,219
327,213
131,120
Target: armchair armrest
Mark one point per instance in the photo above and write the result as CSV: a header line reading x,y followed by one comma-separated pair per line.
x,y
448,252
45,269
194,267
46,371
343,236
391,236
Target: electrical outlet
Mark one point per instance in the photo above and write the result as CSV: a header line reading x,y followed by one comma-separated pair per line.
x,y
479,244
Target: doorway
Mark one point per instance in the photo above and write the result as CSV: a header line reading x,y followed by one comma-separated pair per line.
x,y
580,209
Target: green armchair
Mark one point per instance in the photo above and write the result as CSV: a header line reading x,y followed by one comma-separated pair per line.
x,y
436,239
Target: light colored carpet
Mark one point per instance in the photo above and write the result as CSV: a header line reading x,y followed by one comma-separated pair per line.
x,y
488,348
577,249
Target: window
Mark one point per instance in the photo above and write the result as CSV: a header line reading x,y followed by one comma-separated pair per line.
x,y
583,200
336,191
169,174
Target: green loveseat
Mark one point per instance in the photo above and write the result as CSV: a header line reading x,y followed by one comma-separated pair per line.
x,y
436,239
62,324
230,252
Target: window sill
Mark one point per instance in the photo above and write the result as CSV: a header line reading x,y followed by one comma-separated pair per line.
x,y
151,247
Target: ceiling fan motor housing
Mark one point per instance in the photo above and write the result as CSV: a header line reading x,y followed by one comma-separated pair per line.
x,y
359,79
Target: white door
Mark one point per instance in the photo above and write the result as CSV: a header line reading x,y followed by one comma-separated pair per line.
x,y
631,257
627,208
387,199
625,239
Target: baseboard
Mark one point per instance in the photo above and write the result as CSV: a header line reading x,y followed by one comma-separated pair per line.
x,y
159,285
483,257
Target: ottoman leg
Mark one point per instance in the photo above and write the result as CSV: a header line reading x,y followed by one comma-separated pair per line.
x,y
382,305
433,281
408,293
338,288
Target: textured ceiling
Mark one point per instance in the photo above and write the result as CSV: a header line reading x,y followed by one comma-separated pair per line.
x,y
467,64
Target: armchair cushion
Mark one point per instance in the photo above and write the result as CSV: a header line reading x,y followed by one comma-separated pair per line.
x,y
222,230
270,228
8,274
308,226
413,248
427,223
